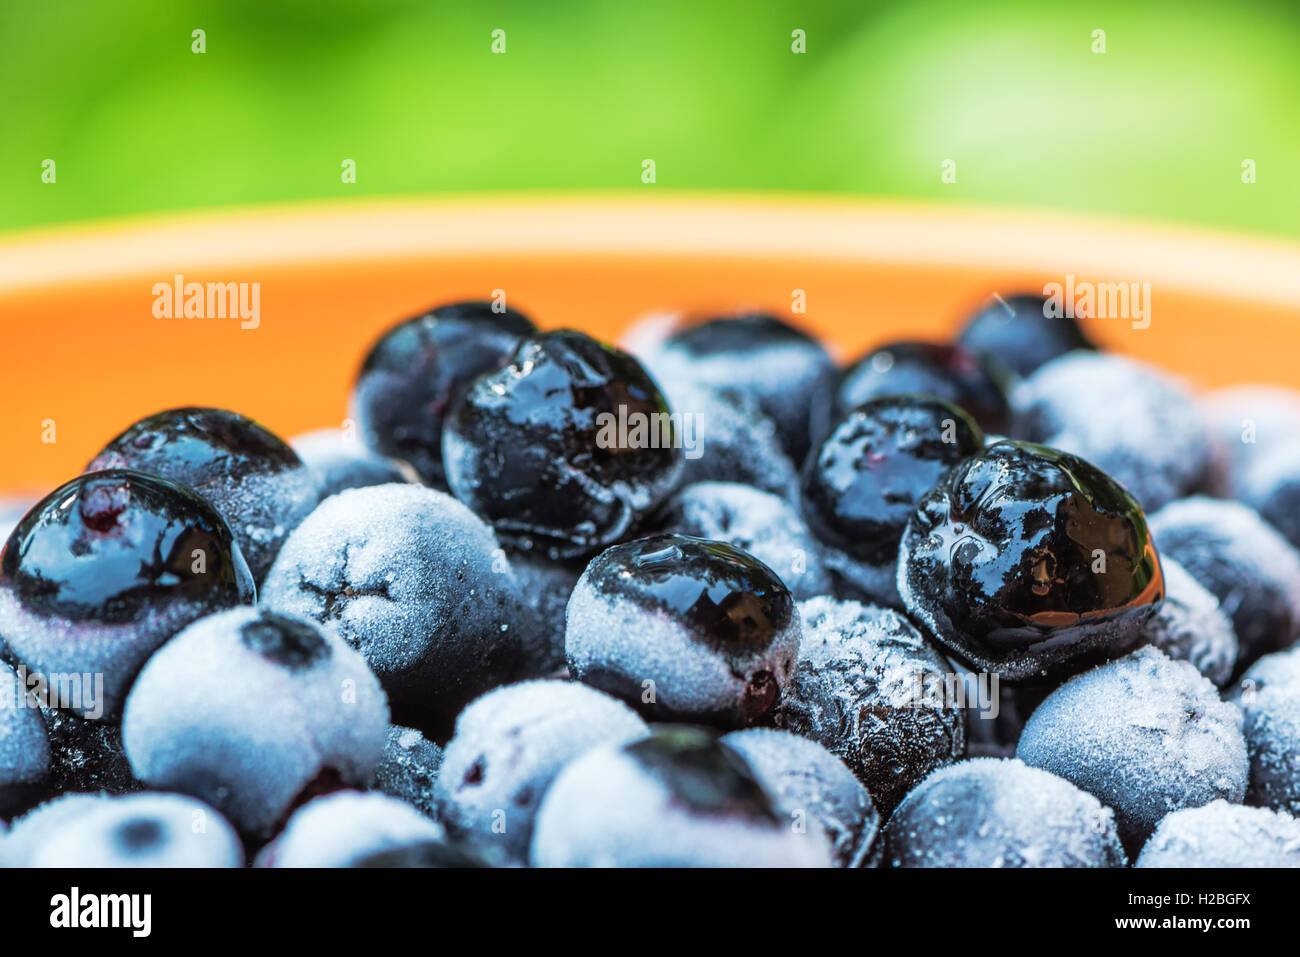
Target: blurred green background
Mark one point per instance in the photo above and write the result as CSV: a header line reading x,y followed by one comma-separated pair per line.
x,y
1156,127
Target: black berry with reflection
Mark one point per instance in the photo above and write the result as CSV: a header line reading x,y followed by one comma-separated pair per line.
x,y
1022,332
1031,563
564,449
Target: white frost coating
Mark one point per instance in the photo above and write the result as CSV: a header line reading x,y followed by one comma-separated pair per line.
x,y
337,462
212,717
879,583
1279,668
1224,835
1247,424
508,747
1145,734
1133,421
1190,625
605,810
806,780
992,812
1272,730
339,829
133,830
622,636
24,742
758,522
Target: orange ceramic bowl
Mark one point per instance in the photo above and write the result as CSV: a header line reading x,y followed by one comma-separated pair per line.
x,y
85,351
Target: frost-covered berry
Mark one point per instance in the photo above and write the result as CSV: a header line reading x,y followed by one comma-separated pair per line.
x,y
1191,625
1029,562
250,476
103,571
338,462
1243,561
508,747
870,689
408,768
679,798
1271,726
340,829
812,785
415,582
788,374
134,830
249,709
1022,332
760,523
1145,735
24,745
417,371
546,585
684,629
862,482
988,812
1223,835
972,382
1279,668
726,437
564,449
1136,423
1248,424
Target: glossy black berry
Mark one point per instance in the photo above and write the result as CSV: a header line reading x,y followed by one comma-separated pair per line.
x,y
683,629
565,448
108,567
1022,332
254,480
1030,562
862,483
412,376
975,383
785,371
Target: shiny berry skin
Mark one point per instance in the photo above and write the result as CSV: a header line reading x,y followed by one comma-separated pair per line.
x,y
976,384
683,629
1022,332
1030,563
415,372
254,480
785,371
562,449
862,483
108,567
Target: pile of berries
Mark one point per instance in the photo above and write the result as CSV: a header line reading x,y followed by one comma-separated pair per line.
x,y
1005,600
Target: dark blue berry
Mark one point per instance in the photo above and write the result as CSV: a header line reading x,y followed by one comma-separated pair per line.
x,y
1030,562
416,371
1022,332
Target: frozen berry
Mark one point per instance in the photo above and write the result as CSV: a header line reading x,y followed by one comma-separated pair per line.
x,y
679,798
416,583
684,629
862,483
726,437
951,373
762,524
24,745
104,570
508,747
439,854
1022,332
418,369
1248,424
786,372
1279,668
1223,835
811,784
1029,562
547,585
250,709
865,689
565,448
337,462
1191,625
1271,725
1145,735
136,830
1243,561
341,829
253,479
408,768
1136,423
988,812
